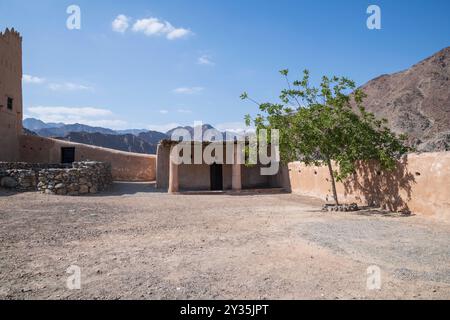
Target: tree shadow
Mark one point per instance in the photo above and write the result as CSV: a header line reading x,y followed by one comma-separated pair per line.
x,y
389,190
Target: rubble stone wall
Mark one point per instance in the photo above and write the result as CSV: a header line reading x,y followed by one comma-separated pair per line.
x,y
76,179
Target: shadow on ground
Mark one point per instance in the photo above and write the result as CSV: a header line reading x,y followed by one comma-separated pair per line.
x,y
7,192
131,188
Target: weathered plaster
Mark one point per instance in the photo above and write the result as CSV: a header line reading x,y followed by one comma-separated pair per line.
x,y
420,184
10,86
126,166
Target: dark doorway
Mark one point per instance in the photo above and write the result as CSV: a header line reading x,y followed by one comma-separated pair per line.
x,y
216,177
67,155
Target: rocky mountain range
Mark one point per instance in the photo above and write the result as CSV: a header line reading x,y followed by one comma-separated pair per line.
x,y
124,142
60,129
416,102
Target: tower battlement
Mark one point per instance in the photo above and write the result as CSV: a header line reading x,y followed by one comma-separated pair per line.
x,y
11,36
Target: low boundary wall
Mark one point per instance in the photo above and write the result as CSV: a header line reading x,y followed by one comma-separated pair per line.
x,y
420,184
76,179
125,166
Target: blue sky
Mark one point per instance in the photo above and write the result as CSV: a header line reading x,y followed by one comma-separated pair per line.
x,y
180,61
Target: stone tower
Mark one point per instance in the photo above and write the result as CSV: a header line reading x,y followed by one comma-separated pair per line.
x,y
10,94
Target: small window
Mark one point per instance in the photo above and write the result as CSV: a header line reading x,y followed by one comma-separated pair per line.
x,y
67,155
10,103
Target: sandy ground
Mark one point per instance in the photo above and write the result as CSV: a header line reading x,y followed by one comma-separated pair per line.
x,y
135,243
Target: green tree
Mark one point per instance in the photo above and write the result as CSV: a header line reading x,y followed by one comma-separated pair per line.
x,y
326,124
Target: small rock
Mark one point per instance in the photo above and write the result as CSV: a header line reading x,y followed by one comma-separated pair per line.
x,y
84,189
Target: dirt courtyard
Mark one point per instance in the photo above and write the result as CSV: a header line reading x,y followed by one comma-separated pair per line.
x,y
135,243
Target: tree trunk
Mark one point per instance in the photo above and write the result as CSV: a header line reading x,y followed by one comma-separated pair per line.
x,y
333,183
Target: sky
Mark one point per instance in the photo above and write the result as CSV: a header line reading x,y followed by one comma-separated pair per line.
x,y
159,64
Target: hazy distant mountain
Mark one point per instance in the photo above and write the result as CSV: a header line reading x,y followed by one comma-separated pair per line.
x,y
51,131
28,132
152,137
123,142
212,132
416,101
136,132
35,124
190,129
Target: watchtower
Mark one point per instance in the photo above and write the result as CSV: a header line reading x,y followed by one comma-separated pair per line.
x,y
10,94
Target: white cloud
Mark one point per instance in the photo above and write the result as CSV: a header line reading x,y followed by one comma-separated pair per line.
x,y
69,86
120,23
205,60
178,33
54,86
156,27
163,127
84,115
164,111
184,111
188,90
87,111
32,79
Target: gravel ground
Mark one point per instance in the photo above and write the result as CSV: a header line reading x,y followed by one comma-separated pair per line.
x,y
136,243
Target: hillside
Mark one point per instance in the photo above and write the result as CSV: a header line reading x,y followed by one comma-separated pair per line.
x,y
68,128
416,102
125,142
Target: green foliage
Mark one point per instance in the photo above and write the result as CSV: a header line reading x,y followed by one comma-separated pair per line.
x,y
328,123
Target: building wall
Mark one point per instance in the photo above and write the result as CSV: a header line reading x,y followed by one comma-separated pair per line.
x,y
197,176
420,184
194,177
125,166
251,177
10,86
162,166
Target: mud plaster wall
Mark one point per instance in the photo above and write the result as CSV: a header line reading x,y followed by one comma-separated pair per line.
x,y
420,184
125,166
10,86
197,177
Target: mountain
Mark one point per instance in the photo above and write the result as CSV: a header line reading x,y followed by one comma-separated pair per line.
x,y
189,129
213,132
416,102
152,137
131,131
67,128
35,124
27,132
123,142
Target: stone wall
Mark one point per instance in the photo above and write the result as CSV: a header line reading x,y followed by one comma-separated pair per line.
x,y
76,179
